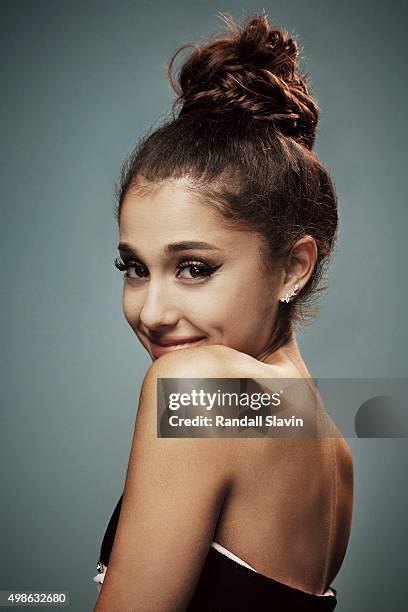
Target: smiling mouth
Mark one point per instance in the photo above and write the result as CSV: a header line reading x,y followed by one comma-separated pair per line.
x,y
159,348
176,341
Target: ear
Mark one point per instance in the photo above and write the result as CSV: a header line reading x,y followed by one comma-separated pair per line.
x,y
300,264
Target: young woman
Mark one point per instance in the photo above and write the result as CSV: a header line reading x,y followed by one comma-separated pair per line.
x,y
227,220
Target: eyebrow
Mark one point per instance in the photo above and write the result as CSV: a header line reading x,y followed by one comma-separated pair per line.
x,y
174,247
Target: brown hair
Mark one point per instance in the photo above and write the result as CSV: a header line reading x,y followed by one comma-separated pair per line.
x,y
241,133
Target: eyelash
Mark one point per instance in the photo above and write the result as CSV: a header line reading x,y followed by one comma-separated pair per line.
x,y
206,269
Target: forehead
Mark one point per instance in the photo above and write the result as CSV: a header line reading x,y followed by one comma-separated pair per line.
x,y
172,213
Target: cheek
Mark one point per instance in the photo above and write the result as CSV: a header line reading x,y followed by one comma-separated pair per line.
x,y
240,307
131,306
240,299
229,309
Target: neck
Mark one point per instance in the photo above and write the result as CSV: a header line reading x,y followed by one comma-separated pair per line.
x,y
288,354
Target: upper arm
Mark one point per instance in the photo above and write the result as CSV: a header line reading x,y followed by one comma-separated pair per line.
x,y
174,491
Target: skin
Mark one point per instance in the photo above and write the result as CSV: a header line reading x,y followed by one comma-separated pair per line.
x,y
235,307
177,490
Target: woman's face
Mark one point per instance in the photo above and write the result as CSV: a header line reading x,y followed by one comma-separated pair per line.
x,y
209,293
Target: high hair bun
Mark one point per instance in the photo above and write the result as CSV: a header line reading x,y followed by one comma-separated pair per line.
x,y
251,69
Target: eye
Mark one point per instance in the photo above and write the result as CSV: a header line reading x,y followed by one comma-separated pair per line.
x,y
198,269
132,269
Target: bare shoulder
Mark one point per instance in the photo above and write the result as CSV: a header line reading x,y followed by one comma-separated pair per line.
x,y
208,361
196,362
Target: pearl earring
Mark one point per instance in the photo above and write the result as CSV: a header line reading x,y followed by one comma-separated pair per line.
x,y
288,296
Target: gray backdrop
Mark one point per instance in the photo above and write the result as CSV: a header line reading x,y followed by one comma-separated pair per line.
x,y
80,82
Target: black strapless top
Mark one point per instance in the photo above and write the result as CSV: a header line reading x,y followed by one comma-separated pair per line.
x,y
226,586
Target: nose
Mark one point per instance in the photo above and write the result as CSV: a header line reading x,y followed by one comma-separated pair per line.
x,y
158,308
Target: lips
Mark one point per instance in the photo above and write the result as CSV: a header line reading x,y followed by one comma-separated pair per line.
x,y
173,344
176,341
